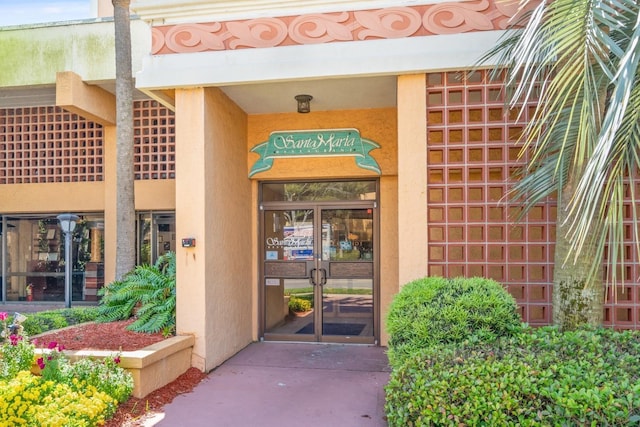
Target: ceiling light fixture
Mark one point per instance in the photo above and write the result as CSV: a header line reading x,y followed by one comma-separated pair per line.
x,y
304,103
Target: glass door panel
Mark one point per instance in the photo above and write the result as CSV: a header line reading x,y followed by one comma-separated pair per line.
x,y
318,271
289,298
347,269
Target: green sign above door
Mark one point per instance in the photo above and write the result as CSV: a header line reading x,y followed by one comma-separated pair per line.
x,y
315,143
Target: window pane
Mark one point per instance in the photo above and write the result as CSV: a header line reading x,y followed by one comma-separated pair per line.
x,y
318,191
35,259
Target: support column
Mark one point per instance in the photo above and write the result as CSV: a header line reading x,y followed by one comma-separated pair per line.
x,y
97,105
412,178
213,205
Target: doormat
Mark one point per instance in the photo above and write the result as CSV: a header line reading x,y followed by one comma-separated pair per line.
x,y
335,329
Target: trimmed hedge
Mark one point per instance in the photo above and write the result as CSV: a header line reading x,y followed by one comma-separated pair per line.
x,y
538,377
434,311
44,321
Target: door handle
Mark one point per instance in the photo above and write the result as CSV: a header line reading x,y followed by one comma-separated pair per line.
x,y
323,280
312,276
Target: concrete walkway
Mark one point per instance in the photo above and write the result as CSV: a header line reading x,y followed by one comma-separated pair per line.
x,y
288,384
25,307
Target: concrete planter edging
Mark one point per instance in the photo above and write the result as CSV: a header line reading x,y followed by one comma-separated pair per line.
x,y
151,367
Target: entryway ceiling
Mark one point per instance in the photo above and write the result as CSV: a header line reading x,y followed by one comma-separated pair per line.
x,y
331,94
259,98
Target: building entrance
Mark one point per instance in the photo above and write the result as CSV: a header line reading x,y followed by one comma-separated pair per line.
x,y
319,275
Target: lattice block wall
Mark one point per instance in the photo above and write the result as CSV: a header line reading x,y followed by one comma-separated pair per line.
x,y
48,144
471,155
154,138
622,306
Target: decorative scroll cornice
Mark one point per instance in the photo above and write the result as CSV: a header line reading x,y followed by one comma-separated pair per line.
x,y
387,23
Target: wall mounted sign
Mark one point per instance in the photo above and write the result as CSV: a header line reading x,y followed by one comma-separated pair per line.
x,y
315,143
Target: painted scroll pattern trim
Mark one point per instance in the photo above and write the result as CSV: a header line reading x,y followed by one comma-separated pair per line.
x,y
388,23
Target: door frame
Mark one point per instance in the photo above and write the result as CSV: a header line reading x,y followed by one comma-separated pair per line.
x,y
318,206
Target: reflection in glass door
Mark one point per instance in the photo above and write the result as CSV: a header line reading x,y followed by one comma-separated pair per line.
x,y
289,291
347,272
156,235
318,272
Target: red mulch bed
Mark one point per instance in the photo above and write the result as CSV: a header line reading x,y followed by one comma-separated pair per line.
x,y
100,336
114,336
134,411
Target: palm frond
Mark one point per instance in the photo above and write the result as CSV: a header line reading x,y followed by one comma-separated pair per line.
x,y
567,57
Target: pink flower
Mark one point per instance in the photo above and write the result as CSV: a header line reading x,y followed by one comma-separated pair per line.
x,y
52,345
60,347
3,316
14,339
40,362
116,359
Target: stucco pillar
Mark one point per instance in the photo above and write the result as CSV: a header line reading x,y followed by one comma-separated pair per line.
x,y
412,178
388,249
213,205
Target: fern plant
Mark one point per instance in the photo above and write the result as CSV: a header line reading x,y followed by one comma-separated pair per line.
x,y
148,292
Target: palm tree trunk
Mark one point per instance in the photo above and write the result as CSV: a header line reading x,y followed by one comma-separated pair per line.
x,y
576,301
125,206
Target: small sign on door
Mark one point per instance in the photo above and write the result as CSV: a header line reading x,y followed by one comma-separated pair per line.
x,y
272,282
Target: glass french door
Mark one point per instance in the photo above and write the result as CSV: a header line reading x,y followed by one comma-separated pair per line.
x,y
319,272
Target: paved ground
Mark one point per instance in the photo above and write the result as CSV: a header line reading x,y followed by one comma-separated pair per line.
x,y
289,384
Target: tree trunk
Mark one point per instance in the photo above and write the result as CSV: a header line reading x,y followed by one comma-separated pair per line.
x,y
125,206
576,302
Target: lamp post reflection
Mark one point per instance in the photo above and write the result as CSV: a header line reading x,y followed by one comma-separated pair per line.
x,y
67,224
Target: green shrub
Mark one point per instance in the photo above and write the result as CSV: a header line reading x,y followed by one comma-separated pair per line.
x,y
149,292
77,315
434,311
44,321
299,305
105,375
535,378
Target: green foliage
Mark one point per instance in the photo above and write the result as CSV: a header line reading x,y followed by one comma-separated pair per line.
x,y
44,321
299,305
149,292
105,375
434,311
52,362
15,356
537,377
79,394
577,60
16,353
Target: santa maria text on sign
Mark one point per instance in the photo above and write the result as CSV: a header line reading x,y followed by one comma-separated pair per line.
x,y
315,143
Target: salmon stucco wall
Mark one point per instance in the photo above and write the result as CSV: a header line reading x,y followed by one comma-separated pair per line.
x,y
54,197
214,199
412,179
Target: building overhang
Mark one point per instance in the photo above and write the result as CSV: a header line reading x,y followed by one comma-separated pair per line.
x,y
347,75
